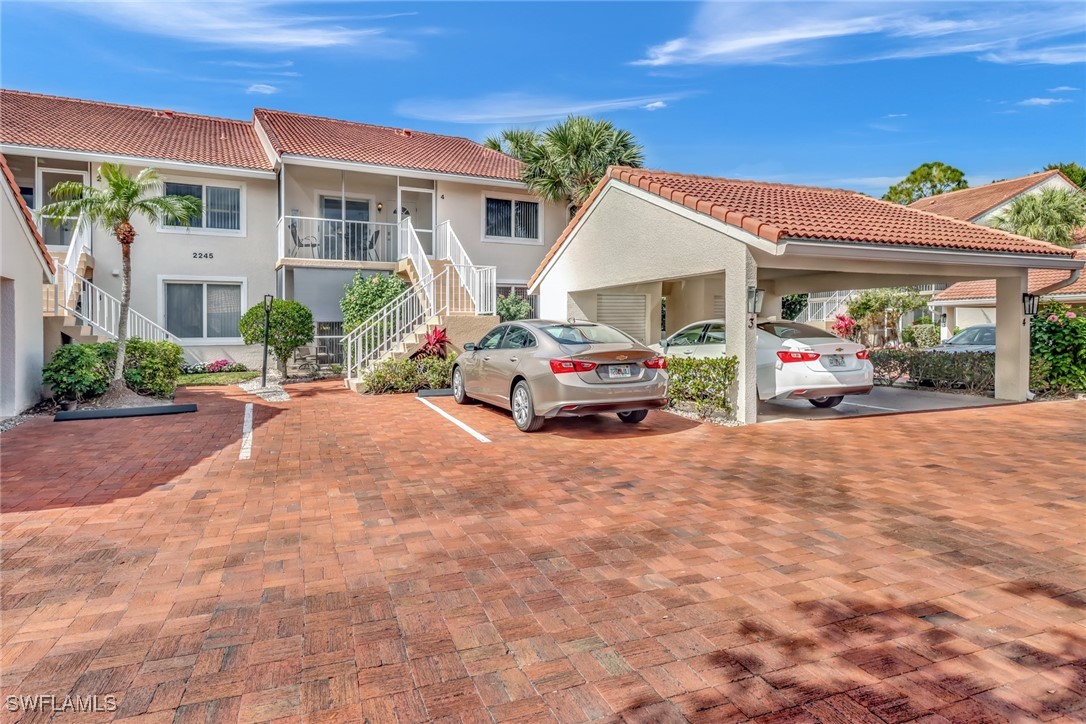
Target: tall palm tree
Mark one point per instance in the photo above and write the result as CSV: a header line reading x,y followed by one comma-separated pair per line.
x,y
113,206
1052,215
572,156
514,142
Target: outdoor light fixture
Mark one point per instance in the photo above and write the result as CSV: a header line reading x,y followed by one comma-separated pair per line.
x,y
268,299
1029,304
380,207
942,319
755,297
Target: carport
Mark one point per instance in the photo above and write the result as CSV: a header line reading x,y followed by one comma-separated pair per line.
x,y
712,246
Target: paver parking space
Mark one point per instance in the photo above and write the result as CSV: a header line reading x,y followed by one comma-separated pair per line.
x,y
881,401
371,561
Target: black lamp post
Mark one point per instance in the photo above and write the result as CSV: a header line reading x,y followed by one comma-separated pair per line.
x,y
268,299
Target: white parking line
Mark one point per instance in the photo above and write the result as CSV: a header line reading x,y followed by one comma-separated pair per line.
x,y
873,407
453,420
247,433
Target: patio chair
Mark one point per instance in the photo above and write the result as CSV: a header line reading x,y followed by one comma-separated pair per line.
x,y
305,358
371,247
303,242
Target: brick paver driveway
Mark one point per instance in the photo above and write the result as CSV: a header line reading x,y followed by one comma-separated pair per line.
x,y
373,561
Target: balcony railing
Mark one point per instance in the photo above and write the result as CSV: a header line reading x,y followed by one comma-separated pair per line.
x,y
306,237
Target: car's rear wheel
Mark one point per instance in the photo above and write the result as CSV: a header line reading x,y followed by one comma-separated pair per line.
x,y
633,416
460,395
523,409
827,401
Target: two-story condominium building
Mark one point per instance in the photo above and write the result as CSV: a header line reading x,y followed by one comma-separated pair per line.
x,y
294,205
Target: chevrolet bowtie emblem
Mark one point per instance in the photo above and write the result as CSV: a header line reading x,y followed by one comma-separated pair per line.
x,y
839,349
622,357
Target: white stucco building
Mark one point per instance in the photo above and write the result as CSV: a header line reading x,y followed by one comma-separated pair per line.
x,y
709,245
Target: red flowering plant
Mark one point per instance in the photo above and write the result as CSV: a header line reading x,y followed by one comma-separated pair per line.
x,y
435,344
843,326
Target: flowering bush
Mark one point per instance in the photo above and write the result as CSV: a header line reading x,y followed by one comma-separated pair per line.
x,y
219,365
1058,338
843,326
435,344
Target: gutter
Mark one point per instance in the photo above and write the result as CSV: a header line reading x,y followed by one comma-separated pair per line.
x,y
1076,274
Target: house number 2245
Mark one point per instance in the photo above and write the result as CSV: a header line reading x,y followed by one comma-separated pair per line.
x,y
203,255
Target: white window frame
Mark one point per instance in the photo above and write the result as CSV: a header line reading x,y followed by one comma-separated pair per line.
x,y
203,230
510,239
164,279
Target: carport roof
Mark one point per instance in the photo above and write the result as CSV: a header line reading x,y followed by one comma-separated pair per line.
x,y
985,289
783,212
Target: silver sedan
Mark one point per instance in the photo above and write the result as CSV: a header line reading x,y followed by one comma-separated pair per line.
x,y
539,369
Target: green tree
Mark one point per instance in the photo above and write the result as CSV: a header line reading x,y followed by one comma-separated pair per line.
x,y
289,327
929,179
1071,170
365,295
1052,215
512,307
566,161
878,311
792,305
114,204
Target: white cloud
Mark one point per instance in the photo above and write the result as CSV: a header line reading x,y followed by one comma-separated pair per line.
x,y
896,115
252,65
519,107
821,32
1042,101
262,89
260,24
1063,89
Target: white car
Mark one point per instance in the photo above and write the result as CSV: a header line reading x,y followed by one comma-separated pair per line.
x,y
794,361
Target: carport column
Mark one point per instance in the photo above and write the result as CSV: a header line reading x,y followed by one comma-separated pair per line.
x,y
740,274
1012,339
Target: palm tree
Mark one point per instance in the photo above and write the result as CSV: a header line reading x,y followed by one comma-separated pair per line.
x,y
1052,215
113,205
565,162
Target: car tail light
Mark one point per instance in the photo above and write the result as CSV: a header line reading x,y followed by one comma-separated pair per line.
x,y
863,354
790,356
656,363
561,366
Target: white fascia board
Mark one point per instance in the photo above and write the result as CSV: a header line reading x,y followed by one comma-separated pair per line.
x,y
158,163
266,144
861,251
396,171
990,301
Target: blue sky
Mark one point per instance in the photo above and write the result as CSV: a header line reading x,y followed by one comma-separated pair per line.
x,y
847,94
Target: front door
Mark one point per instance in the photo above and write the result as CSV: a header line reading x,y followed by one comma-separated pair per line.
x,y
348,238
56,235
418,204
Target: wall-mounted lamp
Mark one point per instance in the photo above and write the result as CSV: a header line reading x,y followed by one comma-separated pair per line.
x,y
942,319
1029,304
755,297
380,207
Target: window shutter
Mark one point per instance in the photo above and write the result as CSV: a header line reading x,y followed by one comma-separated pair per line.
x,y
627,312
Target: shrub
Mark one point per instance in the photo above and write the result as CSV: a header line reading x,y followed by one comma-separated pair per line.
x,y
1058,336
1040,373
365,295
290,327
76,372
923,320
512,307
83,371
706,382
220,365
908,336
844,326
408,375
890,365
435,344
973,371
924,335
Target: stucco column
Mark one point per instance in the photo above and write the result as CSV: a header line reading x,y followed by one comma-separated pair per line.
x,y
1012,340
739,275
951,322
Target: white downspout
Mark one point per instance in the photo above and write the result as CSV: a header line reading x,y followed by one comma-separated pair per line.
x,y
1076,274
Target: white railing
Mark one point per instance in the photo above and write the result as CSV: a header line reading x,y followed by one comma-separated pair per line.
x,y
100,310
480,288
447,246
824,308
381,333
307,237
412,249
71,260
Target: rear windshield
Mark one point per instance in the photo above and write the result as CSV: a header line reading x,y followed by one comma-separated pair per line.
x,y
790,330
585,334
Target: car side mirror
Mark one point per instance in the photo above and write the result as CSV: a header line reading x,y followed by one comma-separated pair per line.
x,y
469,347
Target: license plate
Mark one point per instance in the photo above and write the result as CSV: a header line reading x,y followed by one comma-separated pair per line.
x,y
835,360
618,371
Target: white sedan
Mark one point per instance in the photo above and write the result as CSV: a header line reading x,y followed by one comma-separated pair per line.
x,y
794,361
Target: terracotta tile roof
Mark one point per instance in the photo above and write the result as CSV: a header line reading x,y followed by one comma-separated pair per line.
x,y
329,138
31,119
777,212
28,218
1038,279
968,204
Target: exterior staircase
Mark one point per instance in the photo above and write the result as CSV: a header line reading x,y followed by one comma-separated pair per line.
x,y
444,291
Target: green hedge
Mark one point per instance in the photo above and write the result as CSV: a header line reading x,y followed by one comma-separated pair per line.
x,y
705,382
408,375
83,371
973,371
